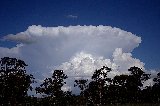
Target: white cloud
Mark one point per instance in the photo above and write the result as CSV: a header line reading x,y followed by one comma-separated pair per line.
x,y
83,65
72,16
100,40
11,52
79,50
125,60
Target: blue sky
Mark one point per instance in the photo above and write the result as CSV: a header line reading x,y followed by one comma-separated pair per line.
x,y
141,17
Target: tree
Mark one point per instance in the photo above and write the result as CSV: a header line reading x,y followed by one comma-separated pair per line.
x,y
156,88
127,88
52,86
14,81
82,85
98,86
135,82
118,89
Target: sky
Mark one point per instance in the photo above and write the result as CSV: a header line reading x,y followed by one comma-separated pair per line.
x,y
65,34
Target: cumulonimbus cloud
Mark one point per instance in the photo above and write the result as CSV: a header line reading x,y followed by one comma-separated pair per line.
x,y
78,50
98,40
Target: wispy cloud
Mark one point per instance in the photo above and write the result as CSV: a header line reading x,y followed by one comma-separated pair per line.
x,y
72,16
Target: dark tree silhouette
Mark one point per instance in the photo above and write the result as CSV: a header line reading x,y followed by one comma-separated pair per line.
x,y
98,86
101,90
118,89
82,85
52,86
69,98
156,88
127,88
135,82
148,95
14,81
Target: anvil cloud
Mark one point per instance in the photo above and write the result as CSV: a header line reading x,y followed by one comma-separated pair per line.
x,y
78,50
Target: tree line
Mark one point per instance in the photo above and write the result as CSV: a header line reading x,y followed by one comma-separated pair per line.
x,y
100,90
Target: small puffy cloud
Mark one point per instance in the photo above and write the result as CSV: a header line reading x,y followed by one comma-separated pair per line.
x,y
78,50
72,16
